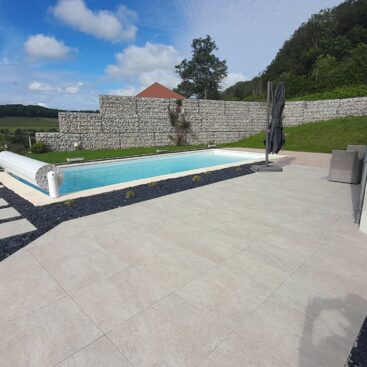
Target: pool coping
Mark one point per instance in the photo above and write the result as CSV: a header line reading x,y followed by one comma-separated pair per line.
x,y
38,198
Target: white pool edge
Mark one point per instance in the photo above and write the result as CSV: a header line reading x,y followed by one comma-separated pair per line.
x,y
38,198
159,155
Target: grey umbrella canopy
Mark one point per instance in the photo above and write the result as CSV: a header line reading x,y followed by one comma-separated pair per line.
x,y
276,138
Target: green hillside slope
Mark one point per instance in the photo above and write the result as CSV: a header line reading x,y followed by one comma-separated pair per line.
x,y
327,53
320,137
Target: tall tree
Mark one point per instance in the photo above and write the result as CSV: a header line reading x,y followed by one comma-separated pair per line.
x,y
202,74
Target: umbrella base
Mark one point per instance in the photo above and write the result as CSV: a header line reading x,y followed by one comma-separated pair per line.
x,y
264,168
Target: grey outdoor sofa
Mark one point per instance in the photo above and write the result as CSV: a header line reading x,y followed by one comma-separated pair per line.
x,y
346,165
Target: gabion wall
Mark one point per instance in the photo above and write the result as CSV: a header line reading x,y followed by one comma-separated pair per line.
x,y
140,122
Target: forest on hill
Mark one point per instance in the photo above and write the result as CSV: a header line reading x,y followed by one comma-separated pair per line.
x,y
326,57
27,111
20,110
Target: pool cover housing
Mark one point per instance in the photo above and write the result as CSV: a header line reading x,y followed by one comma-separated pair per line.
x,y
29,169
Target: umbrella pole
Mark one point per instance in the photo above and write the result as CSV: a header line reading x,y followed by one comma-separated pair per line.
x,y
266,167
268,101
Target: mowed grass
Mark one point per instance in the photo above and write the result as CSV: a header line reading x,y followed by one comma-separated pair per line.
x,y
12,123
60,157
320,137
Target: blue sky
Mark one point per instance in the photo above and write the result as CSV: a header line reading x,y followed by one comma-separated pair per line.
x,y
64,53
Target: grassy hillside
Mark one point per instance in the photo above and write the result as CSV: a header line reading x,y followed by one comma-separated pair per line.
x,y
12,123
320,137
327,52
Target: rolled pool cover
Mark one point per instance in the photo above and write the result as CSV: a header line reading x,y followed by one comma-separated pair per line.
x,y
29,169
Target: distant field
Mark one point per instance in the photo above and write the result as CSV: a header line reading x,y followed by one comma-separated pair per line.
x,y
28,123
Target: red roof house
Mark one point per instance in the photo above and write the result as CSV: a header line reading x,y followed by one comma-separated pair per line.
x,y
157,90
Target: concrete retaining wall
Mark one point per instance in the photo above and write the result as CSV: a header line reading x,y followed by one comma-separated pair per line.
x,y
139,122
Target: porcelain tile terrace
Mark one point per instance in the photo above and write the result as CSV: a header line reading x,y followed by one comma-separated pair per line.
x,y
261,270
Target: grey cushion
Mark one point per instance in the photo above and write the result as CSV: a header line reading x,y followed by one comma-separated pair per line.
x,y
361,150
344,167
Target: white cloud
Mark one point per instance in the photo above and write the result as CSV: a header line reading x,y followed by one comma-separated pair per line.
x,y
165,77
46,47
146,65
16,78
74,88
128,91
37,86
41,104
232,79
102,24
43,87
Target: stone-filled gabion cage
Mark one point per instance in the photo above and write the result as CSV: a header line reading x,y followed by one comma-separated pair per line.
x,y
141,122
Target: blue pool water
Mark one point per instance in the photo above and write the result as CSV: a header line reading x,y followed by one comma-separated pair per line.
x,y
83,177
89,176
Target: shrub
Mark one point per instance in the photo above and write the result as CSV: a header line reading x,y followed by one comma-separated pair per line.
x,y
152,184
179,123
337,93
39,147
69,202
196,178
130,194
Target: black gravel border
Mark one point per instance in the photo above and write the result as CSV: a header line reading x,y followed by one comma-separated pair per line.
x,y
44,218
358,355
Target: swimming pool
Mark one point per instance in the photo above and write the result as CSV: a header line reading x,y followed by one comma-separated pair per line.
x,y
93,175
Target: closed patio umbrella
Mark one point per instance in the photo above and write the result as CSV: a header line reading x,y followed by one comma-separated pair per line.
x,y
274,127
276,136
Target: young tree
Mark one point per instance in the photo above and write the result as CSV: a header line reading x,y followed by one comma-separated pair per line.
x,y
201,75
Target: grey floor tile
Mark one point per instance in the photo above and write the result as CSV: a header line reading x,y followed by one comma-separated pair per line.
x,y
7,213
170,333
227,296
3,202
176,267
15,227
296,335
27,292
17,265
97,354
46,336
260,266
237,351
80,271
115,299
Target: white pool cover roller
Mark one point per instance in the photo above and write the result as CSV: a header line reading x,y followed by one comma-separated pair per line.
x,y
29,169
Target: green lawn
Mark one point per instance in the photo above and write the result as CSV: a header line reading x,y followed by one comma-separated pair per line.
x,y
12,123
320,137
60,157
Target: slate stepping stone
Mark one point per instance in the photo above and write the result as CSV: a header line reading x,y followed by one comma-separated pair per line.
x,y
15,227
3,202
7,213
